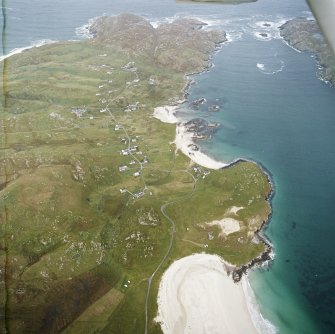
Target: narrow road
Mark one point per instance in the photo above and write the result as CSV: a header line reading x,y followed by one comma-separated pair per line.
x,y
173,225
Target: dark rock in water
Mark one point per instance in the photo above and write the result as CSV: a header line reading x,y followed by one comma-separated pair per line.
x,y
193,147
196,124
214,108
201,128
220,101
193,23
263,34
306,36
266,25
198,102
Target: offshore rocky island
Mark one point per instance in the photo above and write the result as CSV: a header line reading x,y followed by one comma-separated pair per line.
x,y
97,200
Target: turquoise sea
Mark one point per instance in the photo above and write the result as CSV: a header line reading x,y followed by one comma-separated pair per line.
x,y
275,110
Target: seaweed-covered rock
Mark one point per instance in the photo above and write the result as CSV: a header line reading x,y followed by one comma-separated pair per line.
x,y
201,128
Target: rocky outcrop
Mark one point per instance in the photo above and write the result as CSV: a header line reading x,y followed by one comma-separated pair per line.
x,y
181,45
128,32
306,36
201,129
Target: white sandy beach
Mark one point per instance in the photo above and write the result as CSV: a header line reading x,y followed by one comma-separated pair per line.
x,y
166,114
184,143
197,296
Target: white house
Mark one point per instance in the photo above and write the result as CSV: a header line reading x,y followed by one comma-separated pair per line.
x,y
123,168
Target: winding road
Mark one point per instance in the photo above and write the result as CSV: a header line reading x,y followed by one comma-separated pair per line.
x,y
173,224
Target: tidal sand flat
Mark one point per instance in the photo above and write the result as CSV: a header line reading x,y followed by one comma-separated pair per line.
x,y
197,295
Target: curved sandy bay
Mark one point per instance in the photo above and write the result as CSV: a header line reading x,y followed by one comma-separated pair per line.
x,y
197,296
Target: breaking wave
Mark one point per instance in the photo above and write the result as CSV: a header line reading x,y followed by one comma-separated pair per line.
x,y
83,32
33,45
261,324
265,70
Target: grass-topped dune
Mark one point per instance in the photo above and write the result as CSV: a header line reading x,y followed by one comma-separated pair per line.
x,y
89,178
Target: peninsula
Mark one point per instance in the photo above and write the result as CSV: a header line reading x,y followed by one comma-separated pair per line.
x,y
97,201
305,35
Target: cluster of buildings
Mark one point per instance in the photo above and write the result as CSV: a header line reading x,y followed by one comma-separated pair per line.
x,y
130,67
200,172
130,150
133,107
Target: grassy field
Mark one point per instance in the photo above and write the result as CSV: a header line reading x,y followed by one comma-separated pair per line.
x,y
79,238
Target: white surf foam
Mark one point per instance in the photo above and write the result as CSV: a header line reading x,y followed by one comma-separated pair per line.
x,y
308,15
262,325
233,36
155,22
264,24
263,36
262,67
209,20
35,44
260,27
292,47
265,28
83,32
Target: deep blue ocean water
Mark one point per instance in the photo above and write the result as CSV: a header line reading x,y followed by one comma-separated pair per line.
x,y
275,111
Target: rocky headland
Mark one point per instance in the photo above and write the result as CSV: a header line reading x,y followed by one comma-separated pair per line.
x,y
181,45
305,35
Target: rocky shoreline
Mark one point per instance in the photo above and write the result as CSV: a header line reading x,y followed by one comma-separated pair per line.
x,y
305,36
115,30
267,255
201,129
169,45
198,124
